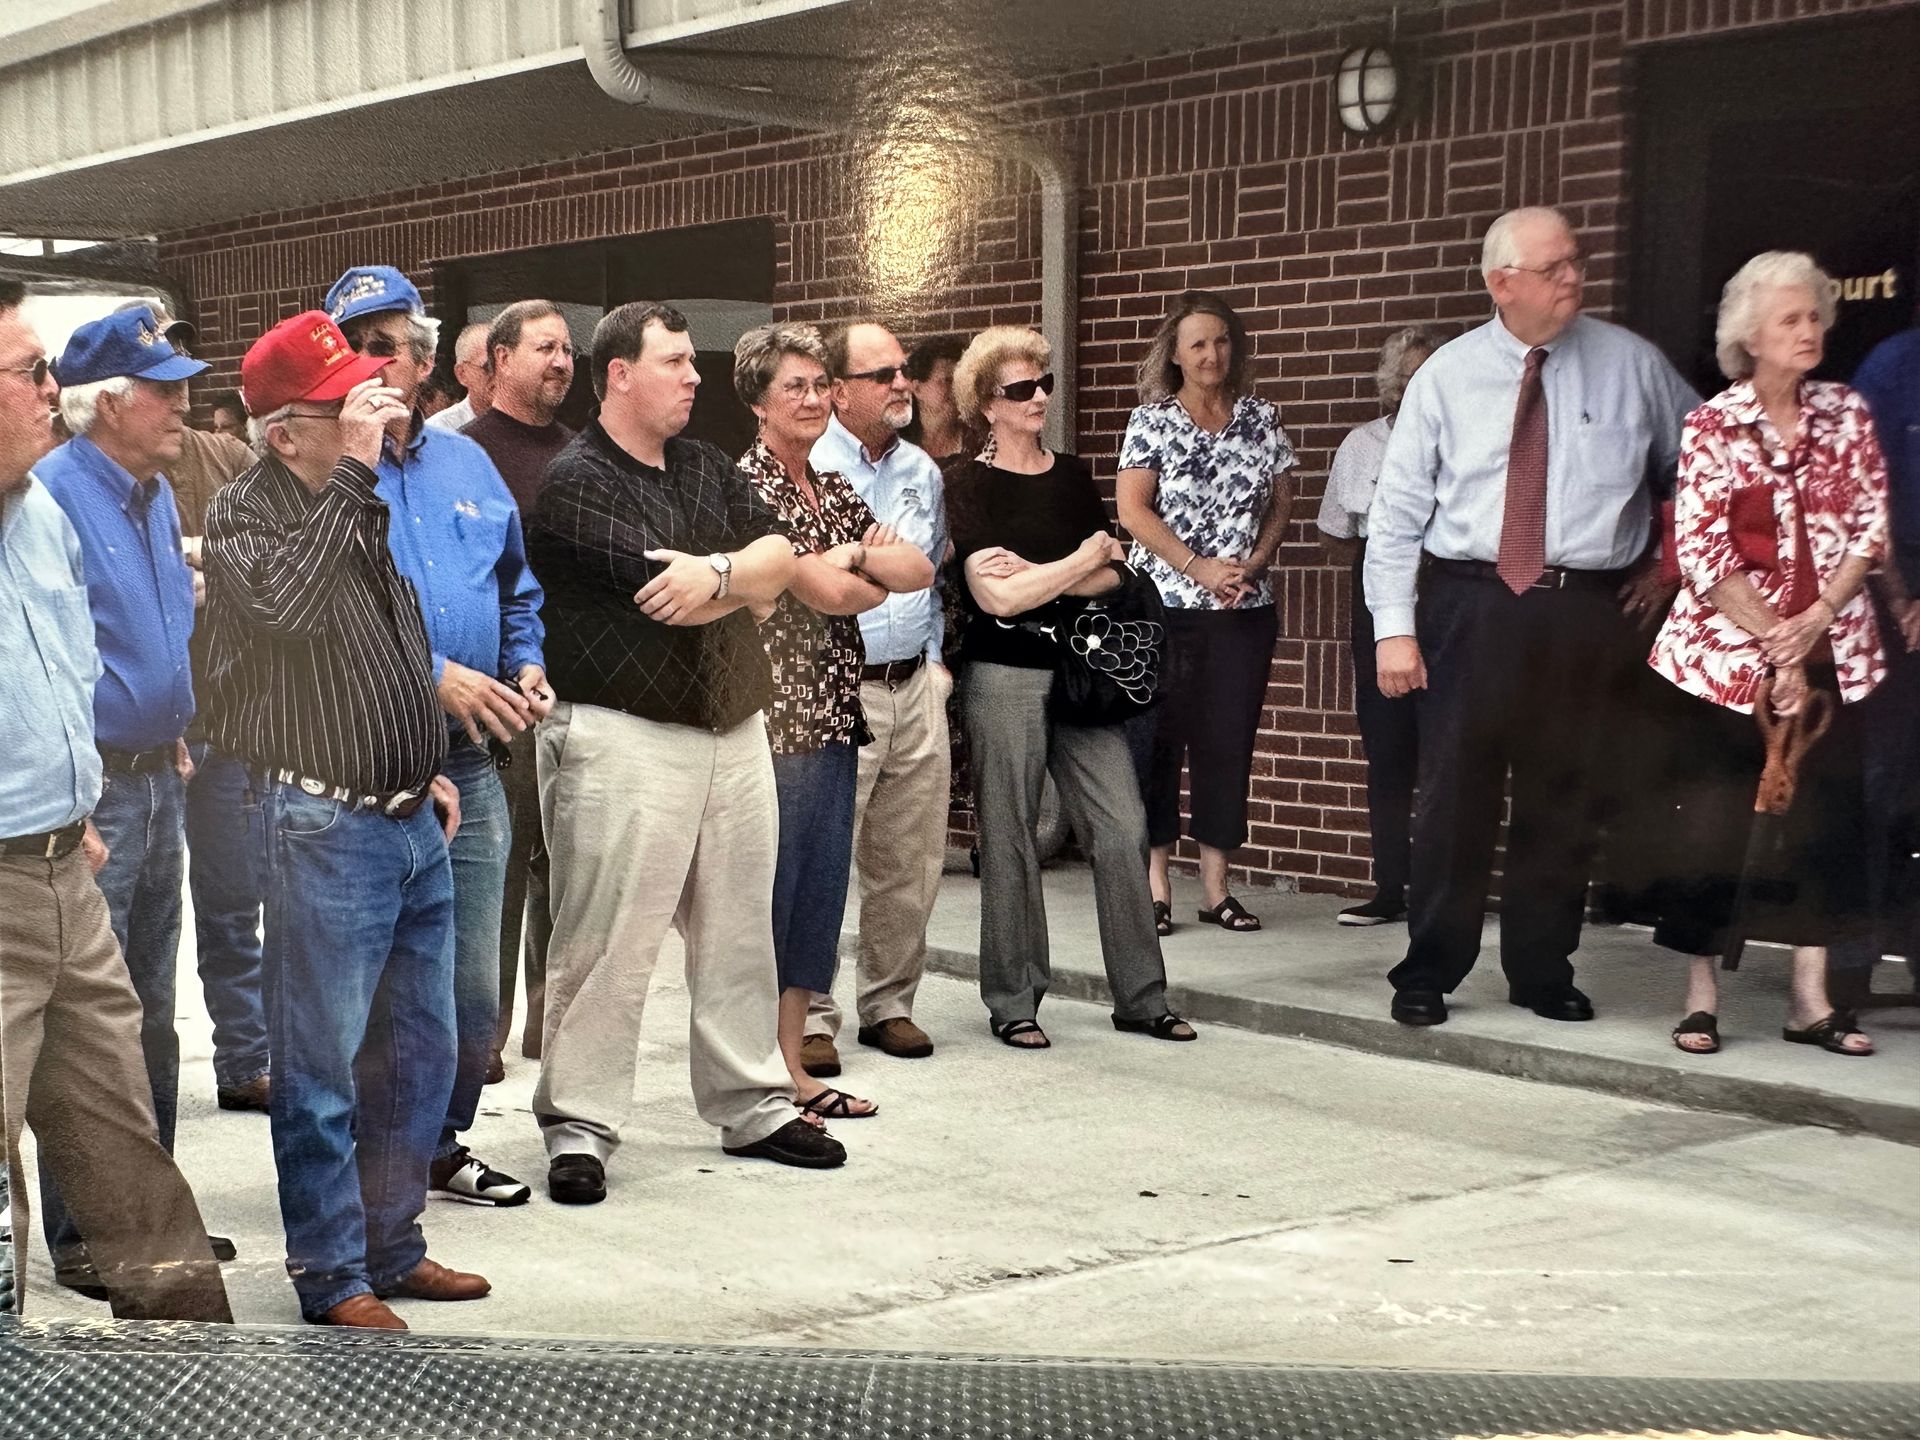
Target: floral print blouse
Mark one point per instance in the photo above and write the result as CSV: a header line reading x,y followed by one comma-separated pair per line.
x,y
816,658
1835,473
1213,490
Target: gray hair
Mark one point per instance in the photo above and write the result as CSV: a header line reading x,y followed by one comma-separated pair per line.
x,y
1501,248
80,404
1741,303
258,425
470,345
1387,378
756,355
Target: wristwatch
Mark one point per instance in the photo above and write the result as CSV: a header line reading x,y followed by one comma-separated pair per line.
x,y
723,567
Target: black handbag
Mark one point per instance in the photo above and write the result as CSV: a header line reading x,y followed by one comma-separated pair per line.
x,y
1108,654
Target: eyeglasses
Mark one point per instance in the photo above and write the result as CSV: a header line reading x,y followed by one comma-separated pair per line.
x,y
798,390
36,373
380,347
313,415
1020,391
883,376
1571,265
548,348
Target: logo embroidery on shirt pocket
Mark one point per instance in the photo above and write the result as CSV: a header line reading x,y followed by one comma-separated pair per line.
x,y
467,508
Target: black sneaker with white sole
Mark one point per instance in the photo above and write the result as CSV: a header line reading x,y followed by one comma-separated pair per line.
x,y
1381,910
465,1177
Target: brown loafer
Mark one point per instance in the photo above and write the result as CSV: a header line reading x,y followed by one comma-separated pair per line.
x,y
430,1280
256,1094
900,1038
363,1312
818,1057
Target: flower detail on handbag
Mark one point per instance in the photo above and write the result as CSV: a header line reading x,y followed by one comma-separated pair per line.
x,y
1127,652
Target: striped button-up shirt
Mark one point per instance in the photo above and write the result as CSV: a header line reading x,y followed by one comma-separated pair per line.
x,y
319,660
47,652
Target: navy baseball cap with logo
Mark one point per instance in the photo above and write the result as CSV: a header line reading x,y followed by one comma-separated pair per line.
x,y
128,343
368,289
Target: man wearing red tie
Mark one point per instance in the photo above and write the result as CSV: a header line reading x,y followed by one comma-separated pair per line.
x,y
1515,497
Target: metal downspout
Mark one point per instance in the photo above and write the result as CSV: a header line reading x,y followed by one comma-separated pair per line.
x,y
602,28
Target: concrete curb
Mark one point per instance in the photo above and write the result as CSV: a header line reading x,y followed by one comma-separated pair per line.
x,y
1690,1088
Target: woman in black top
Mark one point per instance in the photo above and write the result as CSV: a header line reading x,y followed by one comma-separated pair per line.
x,y
1030,532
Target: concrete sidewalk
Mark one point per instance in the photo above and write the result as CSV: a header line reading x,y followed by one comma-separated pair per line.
x,y
1302,975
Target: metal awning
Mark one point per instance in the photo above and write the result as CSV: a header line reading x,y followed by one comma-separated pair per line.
x,y
147,116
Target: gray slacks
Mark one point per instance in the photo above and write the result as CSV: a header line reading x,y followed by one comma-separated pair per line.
x,y
1015,745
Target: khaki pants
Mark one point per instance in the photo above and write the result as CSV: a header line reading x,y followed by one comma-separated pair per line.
x,y
650,825
72,1068
899,844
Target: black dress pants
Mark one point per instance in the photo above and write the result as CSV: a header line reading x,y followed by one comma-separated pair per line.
x,y
1516,686
1389,734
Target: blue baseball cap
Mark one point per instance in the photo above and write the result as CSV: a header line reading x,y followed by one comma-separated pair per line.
x,y
128,343
368,289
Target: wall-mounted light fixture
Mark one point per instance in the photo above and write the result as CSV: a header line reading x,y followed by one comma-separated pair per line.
x,y
1368,88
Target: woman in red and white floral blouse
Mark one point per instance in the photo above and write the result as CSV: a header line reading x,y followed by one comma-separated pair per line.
x,y
1780,515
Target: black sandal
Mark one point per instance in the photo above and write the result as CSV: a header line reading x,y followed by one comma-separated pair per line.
x,y
1006,1034
1161,1027
1700,1022
1230,914
1162,917
1830,1033
831,1104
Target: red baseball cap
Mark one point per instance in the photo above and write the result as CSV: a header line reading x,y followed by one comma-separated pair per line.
x,y
302,358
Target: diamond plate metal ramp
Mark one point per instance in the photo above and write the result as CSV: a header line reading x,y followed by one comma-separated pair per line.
x,y
176,1382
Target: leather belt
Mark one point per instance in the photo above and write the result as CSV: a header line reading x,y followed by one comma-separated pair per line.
x,y
395,804
53,845
893,672
1554,577
137,762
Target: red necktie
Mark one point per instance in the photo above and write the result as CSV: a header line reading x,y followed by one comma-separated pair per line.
x,y
1523,524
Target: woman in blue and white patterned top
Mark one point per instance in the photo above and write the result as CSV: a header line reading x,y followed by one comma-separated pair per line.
x,y
1204,489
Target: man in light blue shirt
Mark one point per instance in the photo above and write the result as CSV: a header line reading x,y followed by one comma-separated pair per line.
x,y
70,1014
1518,635
455,534
123,392
900,816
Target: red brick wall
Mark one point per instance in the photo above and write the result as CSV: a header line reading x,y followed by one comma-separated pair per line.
x,y
1224,169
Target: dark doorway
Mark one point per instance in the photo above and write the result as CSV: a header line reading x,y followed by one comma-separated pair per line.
x,y
721,274
1803,140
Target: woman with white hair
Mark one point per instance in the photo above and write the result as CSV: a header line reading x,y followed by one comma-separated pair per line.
x,y
1780,514
1030,534
1387,734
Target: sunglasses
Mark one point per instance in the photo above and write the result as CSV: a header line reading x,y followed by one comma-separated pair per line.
x,y
378,346
1020,391
883,376
36,373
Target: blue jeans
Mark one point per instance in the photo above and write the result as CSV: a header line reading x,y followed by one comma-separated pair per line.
x,y
139,818
479,854
816,791
223,847
359,992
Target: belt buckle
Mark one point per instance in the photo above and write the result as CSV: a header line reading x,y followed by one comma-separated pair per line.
x,y
312,786
53,842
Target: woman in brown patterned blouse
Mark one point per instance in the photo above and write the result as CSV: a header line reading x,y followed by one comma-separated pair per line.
x,y
846,564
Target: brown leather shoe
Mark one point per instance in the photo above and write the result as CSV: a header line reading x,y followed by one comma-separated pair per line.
x,y
900,1038
363,1312
254,1095
818,1057
430,1280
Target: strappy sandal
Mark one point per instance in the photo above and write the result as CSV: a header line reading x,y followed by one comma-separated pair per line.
x,y
1830,1034
1230,914
1007,1034
1162,918
1700,1022
1161,1027
831,1104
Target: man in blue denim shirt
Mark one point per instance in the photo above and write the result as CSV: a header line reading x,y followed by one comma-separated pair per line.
x,y
456,535
72,1021
124,396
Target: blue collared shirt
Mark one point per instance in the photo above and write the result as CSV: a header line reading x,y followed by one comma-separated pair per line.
x,y
140,591
1615,408
455,533
903,489
51,663
1889,379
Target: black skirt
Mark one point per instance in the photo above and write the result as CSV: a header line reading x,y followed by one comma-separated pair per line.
x,y
1811,888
